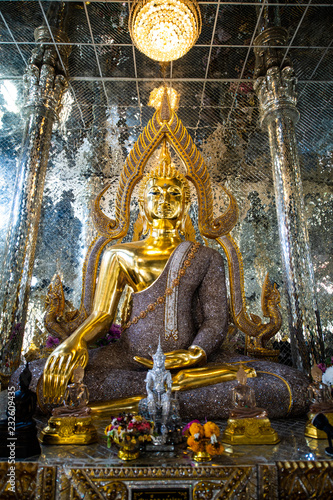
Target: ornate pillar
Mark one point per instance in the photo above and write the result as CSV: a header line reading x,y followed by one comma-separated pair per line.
x,y
275,86
44,84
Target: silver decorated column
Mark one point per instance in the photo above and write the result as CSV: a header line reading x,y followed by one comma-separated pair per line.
x,y
44,84
275,87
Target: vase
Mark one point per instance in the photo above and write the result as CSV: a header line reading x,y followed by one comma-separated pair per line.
x,y
202,456
128,450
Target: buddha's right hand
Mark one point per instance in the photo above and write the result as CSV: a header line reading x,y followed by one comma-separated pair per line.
x,y
59,367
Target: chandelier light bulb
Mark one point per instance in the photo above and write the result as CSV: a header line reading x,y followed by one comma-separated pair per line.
x,y
165,30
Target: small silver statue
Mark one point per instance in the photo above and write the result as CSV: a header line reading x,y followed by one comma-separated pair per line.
x,y
160,406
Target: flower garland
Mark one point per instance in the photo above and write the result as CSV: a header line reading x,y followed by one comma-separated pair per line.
x,y
203,438
160,300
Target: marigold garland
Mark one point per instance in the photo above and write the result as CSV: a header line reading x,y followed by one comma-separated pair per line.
x,y
203,438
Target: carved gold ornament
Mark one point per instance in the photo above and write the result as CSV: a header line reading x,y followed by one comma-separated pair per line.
x,y
247,431
156,98
165,30
284,480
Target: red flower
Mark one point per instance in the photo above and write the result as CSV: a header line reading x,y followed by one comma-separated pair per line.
x,y
322,366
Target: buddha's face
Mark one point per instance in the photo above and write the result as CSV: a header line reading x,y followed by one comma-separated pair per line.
x,y
78,375
316,373
164,199
159,362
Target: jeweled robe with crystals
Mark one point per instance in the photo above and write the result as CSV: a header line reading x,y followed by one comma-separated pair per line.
x,y
201,308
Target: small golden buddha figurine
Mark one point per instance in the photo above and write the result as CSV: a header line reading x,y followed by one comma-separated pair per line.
x,y
319,393
247,423
244,400
71,423
320,402
76,398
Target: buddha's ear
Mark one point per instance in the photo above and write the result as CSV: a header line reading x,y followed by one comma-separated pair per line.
x,y
186,208
189,230
143,219
180,226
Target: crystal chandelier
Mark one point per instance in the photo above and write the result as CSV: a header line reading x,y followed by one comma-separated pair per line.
x,y
165,30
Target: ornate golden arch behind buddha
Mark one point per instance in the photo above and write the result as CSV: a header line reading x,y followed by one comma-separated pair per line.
x,y
166,126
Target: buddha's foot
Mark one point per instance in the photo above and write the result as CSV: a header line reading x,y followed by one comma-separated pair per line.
x,y
208,375
116,406
249,431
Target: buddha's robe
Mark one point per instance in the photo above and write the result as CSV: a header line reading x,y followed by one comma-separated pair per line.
x,y
202,317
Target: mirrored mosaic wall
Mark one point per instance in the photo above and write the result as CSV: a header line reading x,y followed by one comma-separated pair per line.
x,y
105,110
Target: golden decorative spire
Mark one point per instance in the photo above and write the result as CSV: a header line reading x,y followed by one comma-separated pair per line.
x,y
158,95
165,109
165,158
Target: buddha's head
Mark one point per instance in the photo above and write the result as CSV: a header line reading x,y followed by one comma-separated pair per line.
x,y
164,192
241,375
78,374
159,357
316,373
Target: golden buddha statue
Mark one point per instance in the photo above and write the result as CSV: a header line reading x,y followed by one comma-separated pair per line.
x,y
71,423
170,287
164,202
247,423
243,399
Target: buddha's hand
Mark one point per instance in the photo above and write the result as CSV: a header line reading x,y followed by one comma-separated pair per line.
x,y
181,358
59,367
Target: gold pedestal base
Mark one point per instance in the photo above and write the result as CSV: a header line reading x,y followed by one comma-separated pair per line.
x,y
202,456
127,453
311,431
249,431
69,430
